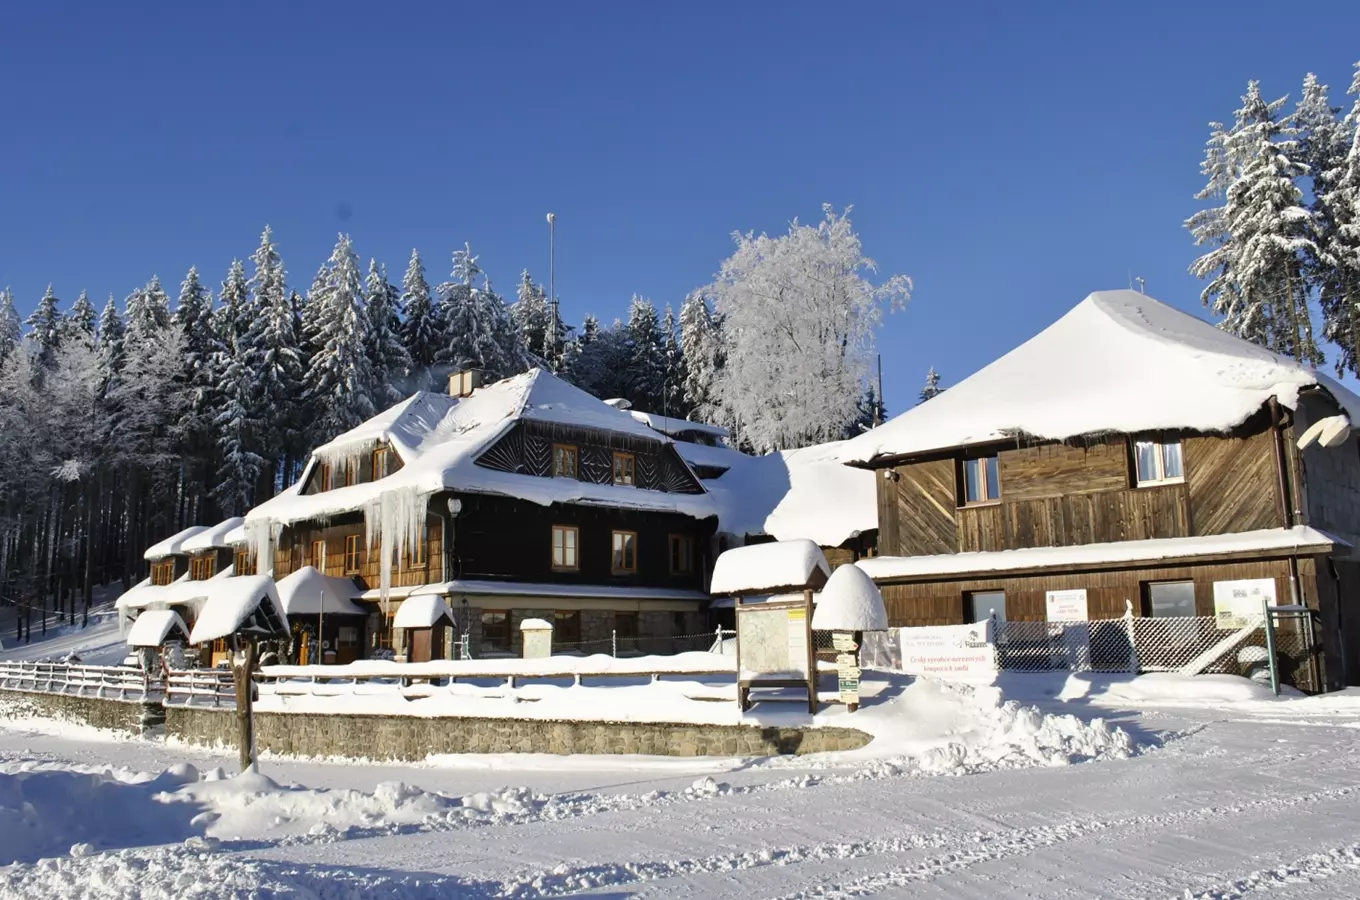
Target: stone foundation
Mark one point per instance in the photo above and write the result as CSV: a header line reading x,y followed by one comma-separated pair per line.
x,y
408,738
121,715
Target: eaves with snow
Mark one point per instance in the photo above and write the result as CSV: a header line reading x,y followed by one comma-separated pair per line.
x,y
1119,361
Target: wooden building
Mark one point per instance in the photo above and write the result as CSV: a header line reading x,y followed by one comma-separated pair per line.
x,y
1132,451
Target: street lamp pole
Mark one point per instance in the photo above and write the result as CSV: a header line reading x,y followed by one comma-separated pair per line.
x,y
551,340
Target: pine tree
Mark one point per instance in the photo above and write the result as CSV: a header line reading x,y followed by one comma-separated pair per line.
x,y
422,331
232,318
479,331
673,371
45,327
11,329
645,381
701,347
83,321
532,315
111,333
1338,274
340,376
932,388
1258,283
387,356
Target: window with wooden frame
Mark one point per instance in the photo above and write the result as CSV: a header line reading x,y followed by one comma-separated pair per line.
x,y
682,554
1169,599
416,556
981,480
565,548
380,463
1158,462
351,474
625,468
243,563
625,553
318,557
353,546
495,631
323,478
201,568
566,628
163,572
566,461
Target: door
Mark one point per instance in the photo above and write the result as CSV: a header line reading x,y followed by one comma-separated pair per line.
x,y
981,604
420,644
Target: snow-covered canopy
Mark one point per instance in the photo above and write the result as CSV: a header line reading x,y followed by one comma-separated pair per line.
x,y
247,603
421,612
673,425
153,626
174,544
770,568
535,625
1119,361
791,494
308,592
1299,539
213,536
850,602
235,536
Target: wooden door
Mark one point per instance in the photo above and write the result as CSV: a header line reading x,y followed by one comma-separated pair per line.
x,y
420,644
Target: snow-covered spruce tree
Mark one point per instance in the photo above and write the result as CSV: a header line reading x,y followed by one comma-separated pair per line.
x,y
1257,282
422,331
83,322
867,413
1338,272
111,333
578,360
932,387
276,365
701,347
193,318
232,317
11,328
644,375
339,378
799,318
45,327
673,359
532,315
479,331
387,355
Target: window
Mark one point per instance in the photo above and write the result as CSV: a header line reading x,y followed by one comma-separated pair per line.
x,y
625,552
243,566
353,543
624,468
201,568
416,557
1170,598
567,628
163,572
981,480
682,554
318,557
351,475
1158,463
980,605
495,631
564,461
324,481
379,463
348,636
626,626
564,543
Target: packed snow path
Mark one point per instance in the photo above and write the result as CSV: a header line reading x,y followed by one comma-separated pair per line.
x,y
1230,804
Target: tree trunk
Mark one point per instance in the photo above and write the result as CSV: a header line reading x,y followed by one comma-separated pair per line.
x,y
243,663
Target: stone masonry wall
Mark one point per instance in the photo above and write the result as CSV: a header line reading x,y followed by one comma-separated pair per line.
x,y
121,715
411,738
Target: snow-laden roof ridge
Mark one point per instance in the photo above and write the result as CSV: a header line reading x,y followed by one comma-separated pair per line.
x,y
1118,362
213,536
174,544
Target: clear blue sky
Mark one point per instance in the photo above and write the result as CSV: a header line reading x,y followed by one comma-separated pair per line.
x,y
1010,158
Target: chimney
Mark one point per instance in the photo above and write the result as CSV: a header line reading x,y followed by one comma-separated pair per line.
x,y
463,382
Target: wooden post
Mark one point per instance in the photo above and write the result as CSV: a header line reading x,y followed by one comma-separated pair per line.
x,y
243,663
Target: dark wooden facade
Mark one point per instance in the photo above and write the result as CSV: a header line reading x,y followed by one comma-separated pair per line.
x,y
295,551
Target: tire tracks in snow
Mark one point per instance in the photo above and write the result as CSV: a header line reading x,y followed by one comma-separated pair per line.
x,y
1312,868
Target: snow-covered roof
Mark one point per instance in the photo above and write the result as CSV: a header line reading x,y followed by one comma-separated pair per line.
x,y
1297,539
421,611
308,592
174,544
1119,361
232,604
213,536
770,568
444,456
805,493
236,535
406,427
533,589
153,626
850,601
672,425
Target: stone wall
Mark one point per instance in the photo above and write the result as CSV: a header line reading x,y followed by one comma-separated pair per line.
x,y
412,738
121,715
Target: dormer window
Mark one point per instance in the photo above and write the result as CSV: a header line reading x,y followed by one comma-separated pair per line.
x,y
625,468
565,461
163,572
351,475
380,463
324,478
1159,462
981,480
201,568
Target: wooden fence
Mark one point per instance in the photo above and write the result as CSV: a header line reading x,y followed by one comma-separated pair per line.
x,y
101,682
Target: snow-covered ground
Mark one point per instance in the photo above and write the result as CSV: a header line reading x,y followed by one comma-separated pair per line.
x,y
1039,787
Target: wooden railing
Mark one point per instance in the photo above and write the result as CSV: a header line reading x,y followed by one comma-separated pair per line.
x,y
200,687
101,682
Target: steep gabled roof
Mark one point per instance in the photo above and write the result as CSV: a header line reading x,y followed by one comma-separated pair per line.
x,y
1119,361
405,427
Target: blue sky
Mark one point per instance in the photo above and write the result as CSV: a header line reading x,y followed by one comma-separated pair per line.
x,y
1010,158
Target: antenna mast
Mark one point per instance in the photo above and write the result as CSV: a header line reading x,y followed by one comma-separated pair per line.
x,y
550,342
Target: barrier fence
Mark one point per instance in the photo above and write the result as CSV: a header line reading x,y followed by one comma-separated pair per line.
x,y
101,682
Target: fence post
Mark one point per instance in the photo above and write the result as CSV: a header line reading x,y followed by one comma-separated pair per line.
x,y
1132,633
1270,646
614,642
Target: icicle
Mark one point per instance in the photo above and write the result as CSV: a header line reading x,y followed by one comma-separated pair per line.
x,y
350,457
262,535
394,520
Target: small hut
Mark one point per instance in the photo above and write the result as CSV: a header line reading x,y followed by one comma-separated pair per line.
x,y
327,625
423,620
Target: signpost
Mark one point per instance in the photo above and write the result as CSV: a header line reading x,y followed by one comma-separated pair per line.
x,y
847,667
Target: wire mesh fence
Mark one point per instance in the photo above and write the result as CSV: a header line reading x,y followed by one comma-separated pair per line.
x,y
721,641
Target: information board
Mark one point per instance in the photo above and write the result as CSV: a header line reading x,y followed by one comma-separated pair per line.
x,y
1238,604
1066,606
772,640
949,651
